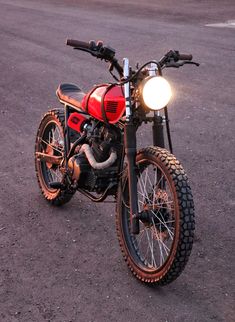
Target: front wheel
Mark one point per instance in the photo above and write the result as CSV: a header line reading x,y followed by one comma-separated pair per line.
x,y
159,253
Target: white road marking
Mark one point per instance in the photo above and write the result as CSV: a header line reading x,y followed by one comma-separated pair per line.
x,y
228,24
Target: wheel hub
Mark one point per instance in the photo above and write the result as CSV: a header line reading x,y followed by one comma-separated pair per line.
x,y
50,151
156,214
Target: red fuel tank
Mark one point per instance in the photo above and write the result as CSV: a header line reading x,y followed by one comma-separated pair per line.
x,y
114,103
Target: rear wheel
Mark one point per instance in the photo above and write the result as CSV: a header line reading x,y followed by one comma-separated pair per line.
x,y
159,253
50,140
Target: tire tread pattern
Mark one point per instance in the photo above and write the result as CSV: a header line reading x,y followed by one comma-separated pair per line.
x,y
187,222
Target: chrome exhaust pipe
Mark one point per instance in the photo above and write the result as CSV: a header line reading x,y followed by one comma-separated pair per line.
x,y
86,149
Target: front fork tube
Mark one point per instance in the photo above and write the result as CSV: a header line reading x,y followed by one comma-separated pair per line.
x,y
130,149
157,128
158,140
158,132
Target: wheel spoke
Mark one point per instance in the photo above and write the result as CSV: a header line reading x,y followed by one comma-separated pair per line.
x,y
166,249
140,237
50,145
163,223
158,205
154,195
160,180
147,247
158,201
57,174
150,242
142,188
51,142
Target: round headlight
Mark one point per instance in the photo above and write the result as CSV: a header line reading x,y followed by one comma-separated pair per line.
x,y
156,92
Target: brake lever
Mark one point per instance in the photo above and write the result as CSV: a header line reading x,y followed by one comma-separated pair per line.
x,y
192,63
181,63
174,64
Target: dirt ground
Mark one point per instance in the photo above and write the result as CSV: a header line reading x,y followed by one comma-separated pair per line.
x,y
65,264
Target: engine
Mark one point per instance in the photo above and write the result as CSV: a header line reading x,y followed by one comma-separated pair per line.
x,y
95,165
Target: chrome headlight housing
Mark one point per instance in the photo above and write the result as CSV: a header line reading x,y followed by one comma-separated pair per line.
x,y
155,92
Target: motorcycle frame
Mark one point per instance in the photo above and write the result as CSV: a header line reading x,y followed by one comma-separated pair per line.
x,y
130,144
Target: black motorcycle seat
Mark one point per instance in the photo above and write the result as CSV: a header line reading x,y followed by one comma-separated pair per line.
x,y
71,94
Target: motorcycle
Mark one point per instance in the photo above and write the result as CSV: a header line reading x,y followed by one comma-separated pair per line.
x,y
90,146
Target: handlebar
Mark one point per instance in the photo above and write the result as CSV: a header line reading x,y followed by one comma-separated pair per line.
x,y
185,56
98,50
175,59
171,59
95,49
78,44
174,56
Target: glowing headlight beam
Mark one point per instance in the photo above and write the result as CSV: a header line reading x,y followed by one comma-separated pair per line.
x,y
156,93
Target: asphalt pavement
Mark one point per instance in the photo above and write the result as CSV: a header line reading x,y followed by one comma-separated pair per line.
x,y
65,264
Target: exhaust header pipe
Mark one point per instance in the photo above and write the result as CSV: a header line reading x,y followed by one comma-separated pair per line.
x,y
86,149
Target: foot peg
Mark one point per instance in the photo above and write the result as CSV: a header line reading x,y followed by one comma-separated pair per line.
x,y
57,185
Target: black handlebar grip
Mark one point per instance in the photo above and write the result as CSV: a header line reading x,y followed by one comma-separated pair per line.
x,y
78,44
185,57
